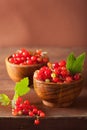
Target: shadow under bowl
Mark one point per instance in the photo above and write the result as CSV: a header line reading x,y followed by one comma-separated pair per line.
x,y
56,94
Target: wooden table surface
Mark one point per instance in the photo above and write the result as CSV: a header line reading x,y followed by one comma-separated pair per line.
x,y
74,117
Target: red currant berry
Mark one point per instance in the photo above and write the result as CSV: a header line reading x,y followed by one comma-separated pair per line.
x,y
57,71
31,113
76,76
64,73
69,79
18,101
35,111
62,63
47,73
26,102
14,112
29,62
56,79
20,113
40,59
33,58
11,60
55,65
37,122
42,114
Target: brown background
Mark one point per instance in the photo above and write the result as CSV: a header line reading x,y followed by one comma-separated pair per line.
x,y
43,22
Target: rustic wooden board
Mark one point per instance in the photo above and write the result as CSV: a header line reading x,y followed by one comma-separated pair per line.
x,y
74,117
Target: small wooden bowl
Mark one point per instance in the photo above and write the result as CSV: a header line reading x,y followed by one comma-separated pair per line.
x,y
60,95
18,72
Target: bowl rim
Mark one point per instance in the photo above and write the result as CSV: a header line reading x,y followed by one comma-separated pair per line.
x,y
20,65
51,83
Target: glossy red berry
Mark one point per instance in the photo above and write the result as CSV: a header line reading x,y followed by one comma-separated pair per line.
x,y
37,122
26,102
40,59
76,76
42,114
55,65
33,58
69,79
24,57
56,79
31,113
18,101
62,63
56,72
35,111
14,112
25,108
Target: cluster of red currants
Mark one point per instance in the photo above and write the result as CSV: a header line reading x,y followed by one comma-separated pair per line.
x,y
25,57
56,73
25,108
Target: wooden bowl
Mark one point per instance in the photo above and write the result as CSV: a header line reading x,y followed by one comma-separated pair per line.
x,y
18,72
60,95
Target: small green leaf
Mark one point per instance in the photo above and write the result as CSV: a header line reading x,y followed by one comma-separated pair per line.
x,y
70,60
78,64
4,99
75,65
21,88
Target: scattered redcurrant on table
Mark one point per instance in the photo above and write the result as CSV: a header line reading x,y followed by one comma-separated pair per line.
x,y
25,57
25,108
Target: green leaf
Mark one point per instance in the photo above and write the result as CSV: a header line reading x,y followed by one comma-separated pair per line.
x,y
70,60
4,99
78,64
21,88
75,65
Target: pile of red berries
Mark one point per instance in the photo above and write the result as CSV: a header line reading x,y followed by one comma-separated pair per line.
x,y
56,73
26,57
25,108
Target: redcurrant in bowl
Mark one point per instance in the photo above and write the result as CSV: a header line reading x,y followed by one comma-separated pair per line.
x,y
23,63
57,88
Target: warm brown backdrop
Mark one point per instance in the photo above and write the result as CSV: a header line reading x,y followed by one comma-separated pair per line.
x,y
43,22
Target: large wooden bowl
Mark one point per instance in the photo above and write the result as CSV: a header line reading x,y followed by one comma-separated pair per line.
x,y
60,95
18,72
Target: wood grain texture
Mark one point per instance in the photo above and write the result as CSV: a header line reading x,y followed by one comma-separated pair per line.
x,y
74,117
60,95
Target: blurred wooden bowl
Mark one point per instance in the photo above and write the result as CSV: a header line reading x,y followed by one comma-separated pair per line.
x,y
60,95
18,72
